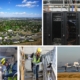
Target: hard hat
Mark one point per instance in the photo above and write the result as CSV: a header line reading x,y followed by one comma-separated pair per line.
x,y
39,50
3,61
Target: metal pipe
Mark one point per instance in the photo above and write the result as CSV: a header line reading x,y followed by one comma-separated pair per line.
x,y
75,5
72,8
0,73
68,5
60,4
63,3
72,5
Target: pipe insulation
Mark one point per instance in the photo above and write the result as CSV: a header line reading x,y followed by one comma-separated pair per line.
x,y
0,73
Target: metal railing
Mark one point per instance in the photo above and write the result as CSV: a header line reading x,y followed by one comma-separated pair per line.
x,y
61,4
48,71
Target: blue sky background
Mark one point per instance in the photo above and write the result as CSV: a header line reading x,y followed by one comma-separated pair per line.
x,y
20,8
68,54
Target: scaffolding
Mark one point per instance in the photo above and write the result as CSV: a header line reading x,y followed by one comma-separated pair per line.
x,y
48,4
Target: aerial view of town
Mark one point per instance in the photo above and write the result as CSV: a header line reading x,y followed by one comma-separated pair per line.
x,y
20,25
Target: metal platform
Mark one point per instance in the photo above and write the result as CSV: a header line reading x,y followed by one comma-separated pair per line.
x,y
47,72
29,76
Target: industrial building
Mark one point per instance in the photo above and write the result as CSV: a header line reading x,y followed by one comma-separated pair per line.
x,y
9,54
47,68
61,22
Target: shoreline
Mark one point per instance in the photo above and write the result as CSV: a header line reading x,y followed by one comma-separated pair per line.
x,y
69,76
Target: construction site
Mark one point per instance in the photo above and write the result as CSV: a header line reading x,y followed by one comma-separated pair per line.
x,y
45,69
8,63
61,22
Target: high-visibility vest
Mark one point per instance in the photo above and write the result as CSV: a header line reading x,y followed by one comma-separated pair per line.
x,y
11,78
35,59
10,71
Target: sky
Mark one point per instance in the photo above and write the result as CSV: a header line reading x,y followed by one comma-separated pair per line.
x,y
20,8
68,54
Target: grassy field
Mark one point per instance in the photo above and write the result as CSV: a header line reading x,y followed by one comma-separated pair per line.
x,y
69,76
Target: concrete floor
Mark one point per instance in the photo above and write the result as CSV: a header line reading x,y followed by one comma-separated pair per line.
x,y
29,76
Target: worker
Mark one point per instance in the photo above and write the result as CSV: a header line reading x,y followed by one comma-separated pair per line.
x,y
36,59
11,70
4,67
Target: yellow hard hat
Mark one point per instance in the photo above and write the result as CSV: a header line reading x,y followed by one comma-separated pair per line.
x,y
3,61
39,50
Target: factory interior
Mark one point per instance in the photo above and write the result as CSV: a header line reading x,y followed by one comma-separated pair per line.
x,y
9,54
47,67
61,22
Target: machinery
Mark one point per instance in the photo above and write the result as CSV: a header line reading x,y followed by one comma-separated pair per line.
x,y
61,28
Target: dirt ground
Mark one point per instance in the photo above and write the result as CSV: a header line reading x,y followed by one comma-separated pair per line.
x,y
38,42
69,76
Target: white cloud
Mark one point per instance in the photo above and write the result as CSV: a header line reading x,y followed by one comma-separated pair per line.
x,y
28,4
1,12
32,2
19,14
37,5
13,13
24,1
